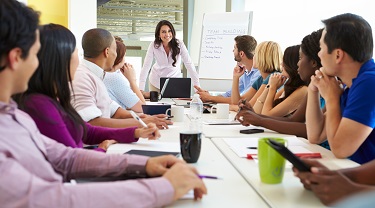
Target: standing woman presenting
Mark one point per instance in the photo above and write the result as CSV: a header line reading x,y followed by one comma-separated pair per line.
x,y
168,52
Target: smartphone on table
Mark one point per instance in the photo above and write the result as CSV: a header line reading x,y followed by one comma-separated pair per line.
x,y
287,154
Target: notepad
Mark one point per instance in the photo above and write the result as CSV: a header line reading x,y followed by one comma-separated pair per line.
x,y
151,153
240,146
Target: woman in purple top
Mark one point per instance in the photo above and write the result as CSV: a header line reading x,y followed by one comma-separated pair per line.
x,y
47,99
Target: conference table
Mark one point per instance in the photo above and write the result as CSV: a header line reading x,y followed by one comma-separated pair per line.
x,y
239,184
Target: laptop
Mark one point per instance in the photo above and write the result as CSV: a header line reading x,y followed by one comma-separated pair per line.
x,y
175,87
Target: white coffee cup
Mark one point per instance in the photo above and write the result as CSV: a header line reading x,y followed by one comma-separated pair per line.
x,y
222,110
177,112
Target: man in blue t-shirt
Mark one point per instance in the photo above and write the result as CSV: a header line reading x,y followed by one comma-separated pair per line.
x,y
243,52
346,52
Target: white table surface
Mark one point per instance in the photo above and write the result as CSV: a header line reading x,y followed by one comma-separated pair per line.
x,y
231,190
290,193
241,186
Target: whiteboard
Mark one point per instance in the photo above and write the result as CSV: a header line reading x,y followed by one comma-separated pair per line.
x,y
216,59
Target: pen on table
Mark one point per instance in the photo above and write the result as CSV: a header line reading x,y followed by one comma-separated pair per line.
x,y
136,117
169,117
208,177
251,147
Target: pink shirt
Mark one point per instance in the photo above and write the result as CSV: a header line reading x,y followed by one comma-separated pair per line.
x,y
34,167
90,96
163,65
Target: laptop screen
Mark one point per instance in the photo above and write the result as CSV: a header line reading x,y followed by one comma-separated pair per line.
x,y
176,87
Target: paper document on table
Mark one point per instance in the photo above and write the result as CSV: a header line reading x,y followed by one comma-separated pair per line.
x,y
221,122
143,144
244,146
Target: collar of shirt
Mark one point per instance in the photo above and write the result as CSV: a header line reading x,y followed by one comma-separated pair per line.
x,y
95,69
247,72
8,108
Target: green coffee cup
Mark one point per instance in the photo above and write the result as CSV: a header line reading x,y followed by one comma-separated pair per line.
x,y
271,164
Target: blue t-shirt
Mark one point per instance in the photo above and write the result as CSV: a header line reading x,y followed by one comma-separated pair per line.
x,y
245,82
358,104
260,81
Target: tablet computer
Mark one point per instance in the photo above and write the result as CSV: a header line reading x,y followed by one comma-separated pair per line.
x,y
287,154
156,109
151,153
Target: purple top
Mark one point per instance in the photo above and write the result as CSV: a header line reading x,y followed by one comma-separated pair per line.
x,y
54,123
34,167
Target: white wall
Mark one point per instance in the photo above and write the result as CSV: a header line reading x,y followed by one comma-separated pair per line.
x,y
285,22
288,21
82,17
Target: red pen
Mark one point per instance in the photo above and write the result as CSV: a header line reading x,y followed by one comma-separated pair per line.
x,y
302,155
250,156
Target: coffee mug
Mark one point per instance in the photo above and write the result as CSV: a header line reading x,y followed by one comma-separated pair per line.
x,y
271,163
154,96
177,112
222,110
190,146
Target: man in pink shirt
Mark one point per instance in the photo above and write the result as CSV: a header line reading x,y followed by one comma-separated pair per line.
x,y
34,168
90,95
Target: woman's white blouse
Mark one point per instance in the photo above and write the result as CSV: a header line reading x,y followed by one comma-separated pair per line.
x,y
163,65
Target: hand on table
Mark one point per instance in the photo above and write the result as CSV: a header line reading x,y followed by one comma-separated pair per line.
x,y
157,166
151,132
247,117
329,186
106,143
183,178
160,120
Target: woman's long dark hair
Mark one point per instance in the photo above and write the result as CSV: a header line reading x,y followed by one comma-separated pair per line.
x,y
290,60
173,44
52,77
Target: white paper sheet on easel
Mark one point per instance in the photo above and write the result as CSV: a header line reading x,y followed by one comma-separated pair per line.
x,y
249,145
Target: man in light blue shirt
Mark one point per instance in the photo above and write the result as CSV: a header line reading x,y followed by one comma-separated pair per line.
x,y
243,52
246,81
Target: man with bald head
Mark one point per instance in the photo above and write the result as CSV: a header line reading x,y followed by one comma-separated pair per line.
x,y
90,96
